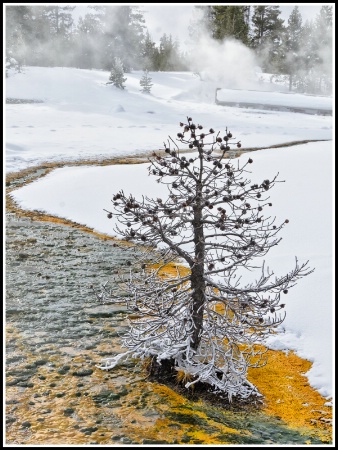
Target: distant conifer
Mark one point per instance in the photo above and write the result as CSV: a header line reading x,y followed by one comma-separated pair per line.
x,y
117,74
145,82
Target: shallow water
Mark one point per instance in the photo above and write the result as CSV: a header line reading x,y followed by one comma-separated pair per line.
x,y
57,333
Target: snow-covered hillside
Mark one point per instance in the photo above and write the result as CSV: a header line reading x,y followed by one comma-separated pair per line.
x,y
82,117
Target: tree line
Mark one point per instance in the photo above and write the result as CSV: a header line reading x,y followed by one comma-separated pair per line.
x,y
47,35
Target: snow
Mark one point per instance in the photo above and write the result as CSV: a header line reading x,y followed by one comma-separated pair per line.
x,y
283,99
83,118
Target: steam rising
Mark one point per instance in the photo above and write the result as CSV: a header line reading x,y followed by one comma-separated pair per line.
x,y
228,63
224,64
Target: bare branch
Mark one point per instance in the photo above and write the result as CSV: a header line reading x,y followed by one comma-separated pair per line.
x,y
215,221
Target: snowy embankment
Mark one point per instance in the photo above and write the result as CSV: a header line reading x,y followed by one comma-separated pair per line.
x,y
276,100
81,117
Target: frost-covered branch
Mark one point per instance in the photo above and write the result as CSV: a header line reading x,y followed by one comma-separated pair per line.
x,y
213,225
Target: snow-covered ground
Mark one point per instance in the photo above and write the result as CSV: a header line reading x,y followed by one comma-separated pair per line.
x,y
280,99
81,117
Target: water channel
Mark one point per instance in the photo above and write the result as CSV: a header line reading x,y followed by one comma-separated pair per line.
x,y
56,334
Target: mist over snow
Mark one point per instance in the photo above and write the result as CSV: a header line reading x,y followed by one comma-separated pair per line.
x,y
80,117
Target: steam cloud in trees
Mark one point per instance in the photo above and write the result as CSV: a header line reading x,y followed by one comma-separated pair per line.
x,y
227,43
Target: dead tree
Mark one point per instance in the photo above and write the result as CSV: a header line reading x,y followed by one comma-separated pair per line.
x,y
203,320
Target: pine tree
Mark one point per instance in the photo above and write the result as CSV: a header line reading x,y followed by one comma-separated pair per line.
x,y
313,73
304,80
145,82
267,35
117,74
33,31
203,321
60,22
322,38
122,35
148,52
11,63
168,57
230,21
18,31
292,63
87,39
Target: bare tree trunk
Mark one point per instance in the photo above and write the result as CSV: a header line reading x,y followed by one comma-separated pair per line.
x,y
197,274
290,82
198,296
57,19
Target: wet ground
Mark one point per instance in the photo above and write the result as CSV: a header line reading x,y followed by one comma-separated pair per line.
x,y
56,334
